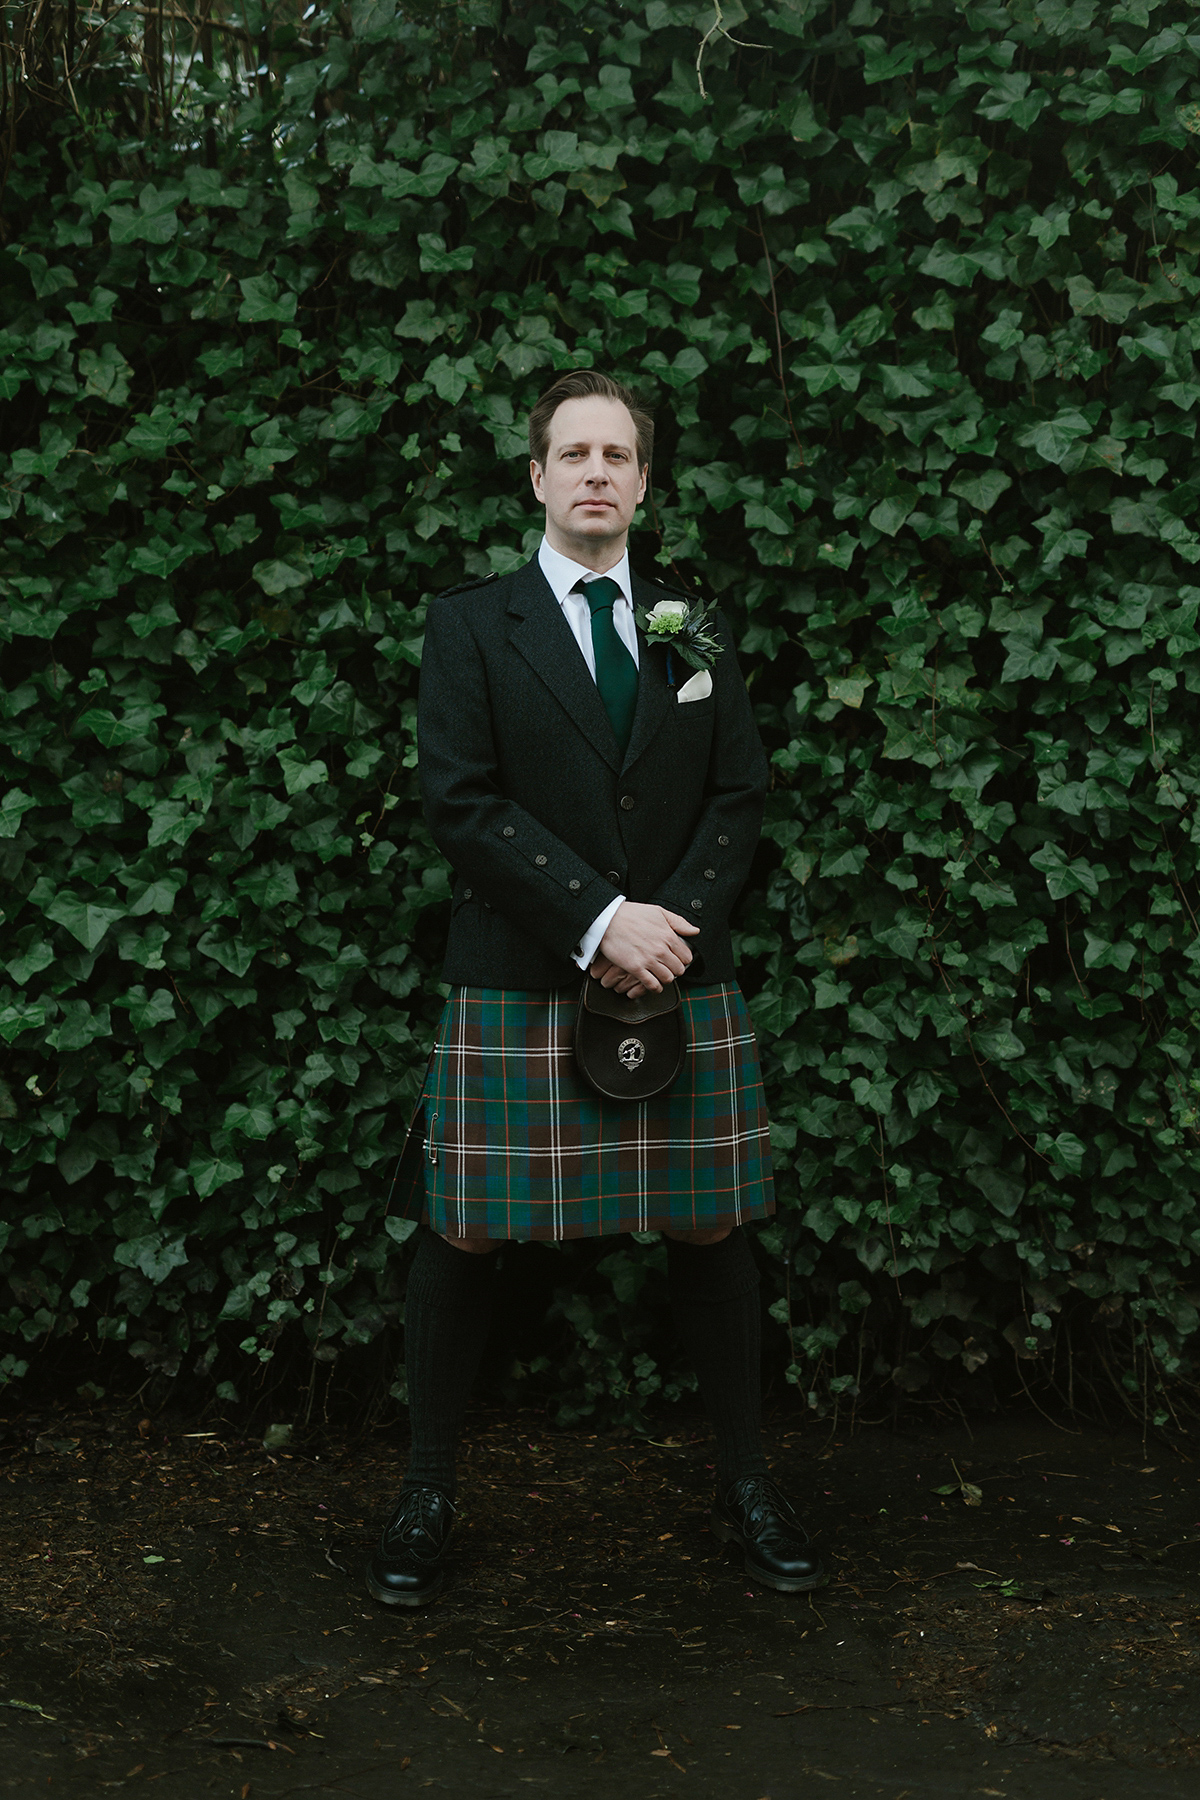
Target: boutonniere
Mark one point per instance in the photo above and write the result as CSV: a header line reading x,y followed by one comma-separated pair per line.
x,y
685,630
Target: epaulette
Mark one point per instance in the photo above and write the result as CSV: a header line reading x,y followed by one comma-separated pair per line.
x,y
467,587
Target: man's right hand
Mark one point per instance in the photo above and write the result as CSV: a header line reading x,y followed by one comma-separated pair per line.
x,y
644,948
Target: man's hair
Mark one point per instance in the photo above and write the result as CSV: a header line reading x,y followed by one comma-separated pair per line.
x,y
582,384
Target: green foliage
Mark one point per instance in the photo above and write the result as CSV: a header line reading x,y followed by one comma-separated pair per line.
x,y
914,291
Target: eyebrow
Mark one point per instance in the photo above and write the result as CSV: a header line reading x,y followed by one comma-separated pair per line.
x,y
583,444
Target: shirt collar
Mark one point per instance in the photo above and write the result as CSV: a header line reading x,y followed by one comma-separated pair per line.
x,y
562,573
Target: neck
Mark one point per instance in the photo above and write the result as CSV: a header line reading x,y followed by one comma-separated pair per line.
x,y
598,554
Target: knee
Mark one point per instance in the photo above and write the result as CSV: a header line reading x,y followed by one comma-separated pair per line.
x,y
473,1246
701,1238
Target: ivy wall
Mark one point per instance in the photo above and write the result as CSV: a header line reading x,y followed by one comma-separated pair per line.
x,y
913,288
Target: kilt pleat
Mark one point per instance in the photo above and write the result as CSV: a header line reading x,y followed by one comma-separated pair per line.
x,y
517,1146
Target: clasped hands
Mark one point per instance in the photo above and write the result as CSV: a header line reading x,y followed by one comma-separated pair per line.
x,y
644,948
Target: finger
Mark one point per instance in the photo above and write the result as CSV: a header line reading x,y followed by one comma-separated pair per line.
x,y
679,924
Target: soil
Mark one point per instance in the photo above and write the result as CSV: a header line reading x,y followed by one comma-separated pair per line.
x,y
183,1614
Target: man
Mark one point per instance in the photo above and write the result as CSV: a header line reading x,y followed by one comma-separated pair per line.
x,y
599,812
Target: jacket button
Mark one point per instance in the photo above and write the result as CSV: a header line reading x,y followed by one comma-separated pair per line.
x,y
614,875
722,841
540,861
574,886
466,893
697,906
710,874
510,831
627,802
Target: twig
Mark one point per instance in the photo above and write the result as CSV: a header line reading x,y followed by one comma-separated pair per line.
x,y
980,1065
787,399
1021,1378
717,29
887,1207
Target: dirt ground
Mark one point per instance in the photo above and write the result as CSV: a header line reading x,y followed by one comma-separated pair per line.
x,y
183,1614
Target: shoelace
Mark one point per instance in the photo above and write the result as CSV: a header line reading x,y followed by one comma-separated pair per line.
x,y
417,1515
758,1495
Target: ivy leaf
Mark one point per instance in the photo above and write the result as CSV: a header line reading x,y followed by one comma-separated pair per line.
x,y
299,772
152,221
13,807
19,1017
437,260
209,1171
1052,439
982,490
87,920
263,303
849,689
275,576
156,432
253,1121
106,374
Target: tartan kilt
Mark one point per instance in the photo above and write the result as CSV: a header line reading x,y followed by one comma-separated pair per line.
x,y
517,1146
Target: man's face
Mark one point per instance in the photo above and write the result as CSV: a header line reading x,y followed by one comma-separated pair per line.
x,y
590,484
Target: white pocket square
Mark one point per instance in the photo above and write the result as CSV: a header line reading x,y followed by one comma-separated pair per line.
x,y
699,687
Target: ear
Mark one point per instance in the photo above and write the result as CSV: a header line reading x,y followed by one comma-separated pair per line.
x,y
644,480
535,476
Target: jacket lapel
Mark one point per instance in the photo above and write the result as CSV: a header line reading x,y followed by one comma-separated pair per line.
x,y
546,641
654,695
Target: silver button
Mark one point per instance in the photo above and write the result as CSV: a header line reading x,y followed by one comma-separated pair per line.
x,y
627,803
510,831
722,841
540,861
614,875
710,874
697,906
466,893
574,886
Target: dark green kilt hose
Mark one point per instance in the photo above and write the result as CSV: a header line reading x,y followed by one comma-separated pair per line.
x,y
516,1146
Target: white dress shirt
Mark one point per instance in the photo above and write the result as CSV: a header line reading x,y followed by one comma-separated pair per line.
x,y
562,574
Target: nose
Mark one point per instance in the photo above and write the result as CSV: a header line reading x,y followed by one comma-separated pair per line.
x,y
597,472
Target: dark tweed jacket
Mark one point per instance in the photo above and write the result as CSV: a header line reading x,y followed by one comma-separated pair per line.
x,y
527,795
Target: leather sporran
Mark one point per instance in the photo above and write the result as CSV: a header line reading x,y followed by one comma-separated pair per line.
x,y
629,1049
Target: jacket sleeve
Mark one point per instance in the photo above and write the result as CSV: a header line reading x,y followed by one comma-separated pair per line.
x,y
514,862
710,875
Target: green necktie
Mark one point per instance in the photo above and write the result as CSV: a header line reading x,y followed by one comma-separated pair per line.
x,y
616,671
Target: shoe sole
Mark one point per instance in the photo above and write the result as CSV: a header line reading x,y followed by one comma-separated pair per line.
x,y
782,1584
390,1598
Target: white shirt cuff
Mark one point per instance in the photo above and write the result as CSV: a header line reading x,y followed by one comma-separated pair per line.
x,y
590,942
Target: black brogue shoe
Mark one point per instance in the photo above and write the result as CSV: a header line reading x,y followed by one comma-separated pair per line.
x,y
754,1514
406,1569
